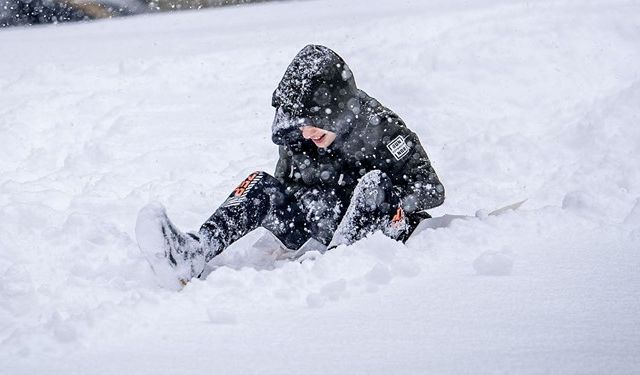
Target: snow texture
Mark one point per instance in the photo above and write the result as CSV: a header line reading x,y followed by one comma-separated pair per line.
x,y
511,99
493,263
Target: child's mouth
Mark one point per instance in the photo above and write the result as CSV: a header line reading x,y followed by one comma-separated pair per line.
x,y
319,139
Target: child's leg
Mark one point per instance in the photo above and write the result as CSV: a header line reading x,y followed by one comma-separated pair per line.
x,y
260,200
177,257
375,205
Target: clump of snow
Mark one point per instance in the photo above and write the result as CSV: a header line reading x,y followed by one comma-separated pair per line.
x,y
379,274
331,291
315,300
334,290
493,263
482,213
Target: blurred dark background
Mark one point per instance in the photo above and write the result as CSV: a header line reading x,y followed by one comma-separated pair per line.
x,y
33,12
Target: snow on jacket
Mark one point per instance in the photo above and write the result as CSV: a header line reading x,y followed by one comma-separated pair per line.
x,y
319,89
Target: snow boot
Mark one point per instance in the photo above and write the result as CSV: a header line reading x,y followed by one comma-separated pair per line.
x,y
175,257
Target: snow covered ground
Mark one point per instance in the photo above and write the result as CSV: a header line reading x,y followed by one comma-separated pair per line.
x,y
513,100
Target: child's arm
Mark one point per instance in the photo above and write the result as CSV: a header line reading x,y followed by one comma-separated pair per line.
x,y
284,172
410,169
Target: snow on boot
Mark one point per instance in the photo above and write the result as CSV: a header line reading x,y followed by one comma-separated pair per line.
x,y
175,257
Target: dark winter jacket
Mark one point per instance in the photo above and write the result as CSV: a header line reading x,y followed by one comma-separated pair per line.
x,y
319,89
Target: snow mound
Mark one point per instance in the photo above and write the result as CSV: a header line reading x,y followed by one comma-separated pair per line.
x,y
512,100
493,263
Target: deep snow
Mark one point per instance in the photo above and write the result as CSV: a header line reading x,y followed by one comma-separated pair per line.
x,y
512,100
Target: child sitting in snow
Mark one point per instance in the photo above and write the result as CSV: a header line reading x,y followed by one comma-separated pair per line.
x,y
348,166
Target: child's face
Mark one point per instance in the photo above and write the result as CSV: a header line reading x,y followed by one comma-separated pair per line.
x,y
322,138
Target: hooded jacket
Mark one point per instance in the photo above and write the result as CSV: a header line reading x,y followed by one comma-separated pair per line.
x,y
319,89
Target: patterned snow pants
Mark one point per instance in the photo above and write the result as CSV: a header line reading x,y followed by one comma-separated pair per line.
x,y
261,201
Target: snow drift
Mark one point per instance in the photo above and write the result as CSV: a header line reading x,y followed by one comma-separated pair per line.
x,y
512,100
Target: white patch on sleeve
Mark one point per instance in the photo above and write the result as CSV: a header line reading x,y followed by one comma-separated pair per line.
x,y
398,147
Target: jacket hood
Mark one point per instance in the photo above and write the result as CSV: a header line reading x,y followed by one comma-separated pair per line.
x,y
317,89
